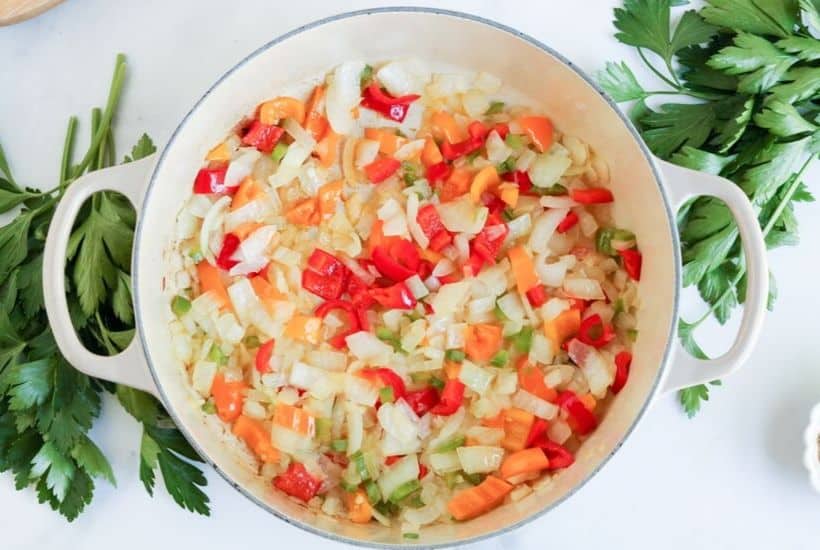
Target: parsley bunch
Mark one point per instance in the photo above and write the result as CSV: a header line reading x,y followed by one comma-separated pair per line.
x,y
46,406
749,72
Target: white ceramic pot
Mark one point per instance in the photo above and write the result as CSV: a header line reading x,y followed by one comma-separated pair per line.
x,y
648,193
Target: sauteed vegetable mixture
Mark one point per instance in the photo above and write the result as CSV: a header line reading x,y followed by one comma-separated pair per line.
x,y
403,294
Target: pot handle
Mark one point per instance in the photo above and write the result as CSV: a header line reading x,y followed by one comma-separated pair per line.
x,y
681,184
128,367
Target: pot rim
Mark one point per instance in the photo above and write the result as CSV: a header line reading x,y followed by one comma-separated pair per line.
x,y
326,534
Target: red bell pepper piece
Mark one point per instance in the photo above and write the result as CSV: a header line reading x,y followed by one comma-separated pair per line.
x,y
359,293
421,401
485,245
569,221
580,418
353,325
387,377
537,296
558,455
538,432
452,396
622,363
502,130
477,130
432,226
438,172
440,241
452,151
394,108
521,178
397,296
229,245
381,169
578,303
594,332
397,260
212,180
263,355
325,275
633,261
297,482
594,195
262,136
324,286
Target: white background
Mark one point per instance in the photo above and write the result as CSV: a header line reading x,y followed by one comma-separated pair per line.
x,y
731,478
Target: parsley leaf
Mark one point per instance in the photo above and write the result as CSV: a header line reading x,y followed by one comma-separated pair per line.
x,y
619,82
783,120
773,18
141,149
678,124
761,63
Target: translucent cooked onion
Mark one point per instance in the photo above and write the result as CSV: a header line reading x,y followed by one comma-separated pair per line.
x,y
537,406
210,224
343,95
543,229
409,149
548,167
596,370
412,222
586,289
558,201
462,216
480,459
241,167
366,152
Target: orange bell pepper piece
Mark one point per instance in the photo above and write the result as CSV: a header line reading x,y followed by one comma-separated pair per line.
x,y
220,153
523,269
248,191
267,293
524,462
315,121
229,397
472,502
430,155
257,437
562,327
485,180
456,185
294,418
539,129
444,126
482,341
271,112
517,424
531,379
328,193
243,230
304,327
305,212
210,280
359,509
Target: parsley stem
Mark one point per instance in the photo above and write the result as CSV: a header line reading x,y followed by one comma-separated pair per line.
x,y
114,92
656,71
793,183
68,148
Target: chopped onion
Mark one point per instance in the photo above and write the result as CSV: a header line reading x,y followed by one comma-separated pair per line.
x,y
550,274
289,441
241,167
557,201
474,377
413,335
247,267
461,242
412,222
518,227
403,77
417,287
544,227
480,459
409,149
511,306
586,289
443,463
251,212
445,266
358,390
450,427
403,470
475,103
366,347
462,216
255,245
209,224
553,307
327,359
537,406
343,95
541,350
289,167
451,298
366,152
395,222
396,421
299,134
492,280
485,435
548,167
357,269
202,377
506,382
526,158
497,150
455,335
596,369
432,283
198,205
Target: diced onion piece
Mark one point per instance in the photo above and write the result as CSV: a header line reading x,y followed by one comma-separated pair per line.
x,y
412,222
396,422
451,298
289,441
404,76
480,459
256,244
366,152
366,347
443,463
209,224
417,287
202,377
449,428
299,134
327,359
444,267
455,335
553,307
511,306
475,103
541,350
586,289
537,406
525,160
319,382
413,334
497,150
559,431
462,216
241,167
548,167
485,435
544,227
343,94
519,226
409,149
492,280
403,470
361,391
550,274
596,370
474,377
557,201
357,269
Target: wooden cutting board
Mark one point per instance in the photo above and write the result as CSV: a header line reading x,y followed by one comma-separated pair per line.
x,y
14,11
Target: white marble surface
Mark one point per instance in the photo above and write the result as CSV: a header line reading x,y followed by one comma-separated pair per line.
x,y
731,478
